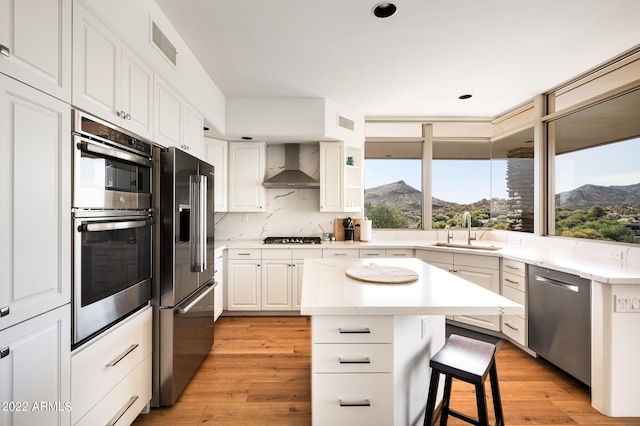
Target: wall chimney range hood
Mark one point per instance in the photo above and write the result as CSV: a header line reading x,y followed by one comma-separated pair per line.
x,y
291,176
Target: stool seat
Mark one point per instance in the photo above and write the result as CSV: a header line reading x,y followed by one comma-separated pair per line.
x,y
471,361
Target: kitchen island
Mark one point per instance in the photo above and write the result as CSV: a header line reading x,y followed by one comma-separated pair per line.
x,y
371,343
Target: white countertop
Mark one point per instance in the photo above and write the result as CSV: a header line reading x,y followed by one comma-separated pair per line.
x,y
327,290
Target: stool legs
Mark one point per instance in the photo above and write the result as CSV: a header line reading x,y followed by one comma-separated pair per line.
x,y
431,399
444,413
495,392
481,403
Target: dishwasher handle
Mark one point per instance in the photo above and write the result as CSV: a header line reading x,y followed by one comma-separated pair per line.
x,y
551,281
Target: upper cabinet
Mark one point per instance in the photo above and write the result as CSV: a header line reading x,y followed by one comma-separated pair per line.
x,y
108,79
216,152
341,177
35,44
247,164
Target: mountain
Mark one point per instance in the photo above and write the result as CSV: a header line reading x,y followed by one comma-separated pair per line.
x,y
589,195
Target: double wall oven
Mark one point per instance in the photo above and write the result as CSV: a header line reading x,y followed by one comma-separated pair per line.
x,y
112,218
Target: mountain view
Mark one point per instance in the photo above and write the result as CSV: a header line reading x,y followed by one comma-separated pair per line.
x,y
590,211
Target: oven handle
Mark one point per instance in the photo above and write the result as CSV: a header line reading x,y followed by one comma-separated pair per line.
x,y
115,153
113,226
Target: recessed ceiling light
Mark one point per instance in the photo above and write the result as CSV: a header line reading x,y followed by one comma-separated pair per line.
x,y
384,10
464,97
247,138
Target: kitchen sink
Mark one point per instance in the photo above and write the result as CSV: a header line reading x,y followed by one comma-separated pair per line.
x,y
468,246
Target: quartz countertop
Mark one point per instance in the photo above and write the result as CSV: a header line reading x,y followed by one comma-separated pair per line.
x,y
327,290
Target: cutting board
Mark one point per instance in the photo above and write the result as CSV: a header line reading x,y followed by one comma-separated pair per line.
x,y
382,274
338,229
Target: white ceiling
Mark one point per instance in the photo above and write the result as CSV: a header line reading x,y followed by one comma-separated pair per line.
x,y
415,63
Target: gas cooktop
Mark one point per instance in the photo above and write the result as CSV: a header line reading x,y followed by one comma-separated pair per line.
x,y
292,240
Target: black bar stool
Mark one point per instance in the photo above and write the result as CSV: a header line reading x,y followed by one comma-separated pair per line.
x,y
468,360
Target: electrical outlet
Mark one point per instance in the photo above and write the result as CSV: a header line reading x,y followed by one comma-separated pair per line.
x,y
245,217
614,255
400,236
627,303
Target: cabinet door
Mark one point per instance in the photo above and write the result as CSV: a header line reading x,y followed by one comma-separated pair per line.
x,y
167,118
296,285
97,56
35,202
42,59
216,153
137,95
246,174
35,369
244,286
331,177
192,138
487,278
276,285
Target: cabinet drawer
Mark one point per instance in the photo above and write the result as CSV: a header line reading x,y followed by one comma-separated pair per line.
x,y
99,365
514,281
431,256
372,252
352,329
514,267
488,262
352,399
276,254
315,253
340,253
399,253
245,254
515,295
126,400
515,328
352,358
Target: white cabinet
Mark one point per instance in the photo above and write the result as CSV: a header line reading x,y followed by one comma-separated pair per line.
x,y
35,202
244,286
176,123
340,253
276,280
34,367
247,164
35,40
218,292
379,253
481,270
111,375
108,79
341,177
216,152
514,287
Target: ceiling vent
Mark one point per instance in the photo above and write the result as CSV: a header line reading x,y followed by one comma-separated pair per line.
x,y
163,44
346,123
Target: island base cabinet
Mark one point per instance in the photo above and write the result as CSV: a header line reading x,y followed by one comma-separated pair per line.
x,y
352,399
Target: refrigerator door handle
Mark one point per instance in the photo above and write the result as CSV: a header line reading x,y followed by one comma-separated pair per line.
x,y
190,303
198,237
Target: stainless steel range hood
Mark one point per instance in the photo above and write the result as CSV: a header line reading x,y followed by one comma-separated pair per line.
x,y
291,176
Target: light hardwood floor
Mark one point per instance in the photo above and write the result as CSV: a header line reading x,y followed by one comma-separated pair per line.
x,y
258,373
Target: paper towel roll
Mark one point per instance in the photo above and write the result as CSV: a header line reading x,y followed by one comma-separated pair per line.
x,y
365,230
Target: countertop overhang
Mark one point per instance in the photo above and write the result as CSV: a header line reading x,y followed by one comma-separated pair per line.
x,y
327,290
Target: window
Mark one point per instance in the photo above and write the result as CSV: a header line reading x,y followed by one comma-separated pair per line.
x,y
393,184
595,190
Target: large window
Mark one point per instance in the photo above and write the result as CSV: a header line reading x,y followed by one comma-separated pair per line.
x,y
393,184
595,190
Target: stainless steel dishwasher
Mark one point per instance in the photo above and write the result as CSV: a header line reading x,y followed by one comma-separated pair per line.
x,y
560,320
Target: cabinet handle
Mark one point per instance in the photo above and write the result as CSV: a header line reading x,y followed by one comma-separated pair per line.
x,y
128,116
511,267
364,360
4,311
354,330
339,254
510,326
4,352
511,281
399,255
123,410
244,254
355,403
122,356
372,254
5,51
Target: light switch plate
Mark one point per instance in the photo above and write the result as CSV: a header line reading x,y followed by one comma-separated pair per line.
x,y
627,303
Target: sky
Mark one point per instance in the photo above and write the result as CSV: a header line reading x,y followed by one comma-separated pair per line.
x,y
467,181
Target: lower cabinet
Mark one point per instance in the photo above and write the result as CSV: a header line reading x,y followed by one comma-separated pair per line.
x,y
35,386
514,287
111,375
244,285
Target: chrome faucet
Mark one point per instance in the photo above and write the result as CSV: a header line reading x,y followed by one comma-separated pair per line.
x,y
447,231
466,221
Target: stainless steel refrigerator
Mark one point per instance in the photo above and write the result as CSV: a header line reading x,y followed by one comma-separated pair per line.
x,y
183,270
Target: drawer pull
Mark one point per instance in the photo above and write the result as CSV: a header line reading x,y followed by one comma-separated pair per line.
x,y
4,352
373,254
511,281
339,254
124,409
121,357
364,360
399,255
512,267
510,326
4,311
355,403
355,330
244,254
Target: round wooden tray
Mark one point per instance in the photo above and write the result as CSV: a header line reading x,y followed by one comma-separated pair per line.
x,y
382,274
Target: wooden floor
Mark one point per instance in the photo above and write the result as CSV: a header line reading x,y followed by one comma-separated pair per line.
x,y
258,373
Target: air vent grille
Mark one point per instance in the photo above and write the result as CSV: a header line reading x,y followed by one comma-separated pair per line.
x,y
162,42
346,123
